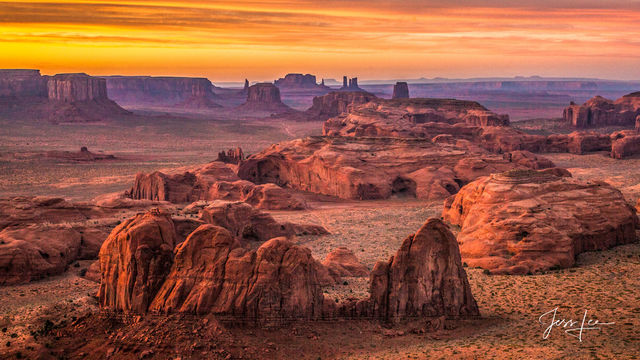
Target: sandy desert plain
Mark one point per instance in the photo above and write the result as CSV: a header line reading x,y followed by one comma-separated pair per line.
x,y
368,173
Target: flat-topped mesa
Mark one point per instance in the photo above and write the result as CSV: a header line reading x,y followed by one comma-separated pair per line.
x,y
299,82
161,91
599,111
530,221
400,90
264,97
76,87
20,83
376,168
336,103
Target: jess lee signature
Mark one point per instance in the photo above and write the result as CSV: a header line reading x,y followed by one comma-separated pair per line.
x,y
572,327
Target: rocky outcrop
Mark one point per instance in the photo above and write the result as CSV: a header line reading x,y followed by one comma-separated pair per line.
x,y
293,82
400,90
424,118
249,224
76,87
336,102
231,156
22,84
350,84
528,160
424,279
625,144
211,275
83,155
371,168
213,181
41,237
148,91
342,262
135,260
264,97
599,111
529,221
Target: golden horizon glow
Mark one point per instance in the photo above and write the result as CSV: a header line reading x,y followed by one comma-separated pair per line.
x,y
375,39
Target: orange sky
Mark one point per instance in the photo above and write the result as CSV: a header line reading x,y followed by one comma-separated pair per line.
x,y
372,39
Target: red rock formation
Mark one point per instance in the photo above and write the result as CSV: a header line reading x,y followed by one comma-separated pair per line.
x,y
424,118
22,84
213,181
400,91
76,87
530,221
599,111
336,102
134,261
342,262
371,168
141,91
528,159
624,144
248,224
424,279
232,156
211,275
292,82
83,155
264,97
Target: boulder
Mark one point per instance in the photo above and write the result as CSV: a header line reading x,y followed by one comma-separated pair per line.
x,y
212,275
342,262
400,90
135,260
527,221
249,224
425,278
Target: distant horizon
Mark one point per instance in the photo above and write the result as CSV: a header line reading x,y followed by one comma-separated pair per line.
x,y
376,39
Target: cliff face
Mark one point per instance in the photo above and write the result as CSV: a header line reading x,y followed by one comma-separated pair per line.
x,y
337,102
76,87
22,83
599,111
299,81
264,97
400,91
160,91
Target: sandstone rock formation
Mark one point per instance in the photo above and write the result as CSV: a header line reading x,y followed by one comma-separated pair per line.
x,y
625,143
264,97
336,102
41,236
411,118
83,155
134,262
211,274
249,224
599,111
59,98
231,156
293,82
350,84
150,91
342,262
371,168
523,222
212,181
400,90
424,279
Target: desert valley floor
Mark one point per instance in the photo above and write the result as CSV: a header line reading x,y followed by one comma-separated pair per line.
x,y
35,317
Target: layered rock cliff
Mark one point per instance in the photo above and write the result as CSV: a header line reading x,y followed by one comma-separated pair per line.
x,y
264,97
599,111
141,91
292,82
400,91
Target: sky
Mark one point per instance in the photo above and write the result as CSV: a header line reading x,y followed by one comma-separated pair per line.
x,y
371,39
